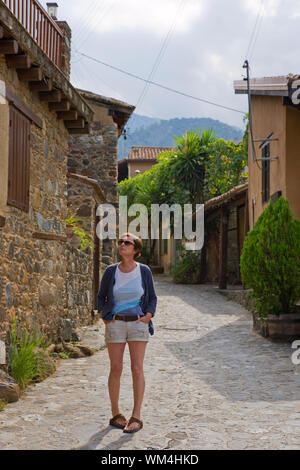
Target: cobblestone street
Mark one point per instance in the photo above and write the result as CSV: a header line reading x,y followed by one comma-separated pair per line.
x,y
211,383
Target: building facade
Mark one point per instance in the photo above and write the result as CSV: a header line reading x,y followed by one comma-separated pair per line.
x,y
274,162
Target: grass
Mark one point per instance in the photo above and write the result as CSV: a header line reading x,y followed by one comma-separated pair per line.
x,y
3,404
26,364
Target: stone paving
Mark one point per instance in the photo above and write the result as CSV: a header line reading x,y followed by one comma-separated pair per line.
x,y
211,383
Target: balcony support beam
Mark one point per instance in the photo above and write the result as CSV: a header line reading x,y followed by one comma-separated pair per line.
x,y
34,74
51,96
9,46
68,115
78,124
18,61
44,85
64,105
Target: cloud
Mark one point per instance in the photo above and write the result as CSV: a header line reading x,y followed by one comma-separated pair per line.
x,y
204,55
133,15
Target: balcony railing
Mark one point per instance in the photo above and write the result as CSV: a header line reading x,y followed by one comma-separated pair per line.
x,y
40,26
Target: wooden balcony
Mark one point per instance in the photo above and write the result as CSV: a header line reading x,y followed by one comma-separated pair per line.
x,y
41,27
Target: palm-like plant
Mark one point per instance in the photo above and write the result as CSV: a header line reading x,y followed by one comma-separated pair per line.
x,y
188,169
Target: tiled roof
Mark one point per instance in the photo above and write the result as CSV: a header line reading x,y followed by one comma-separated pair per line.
x,y
225,197
146,153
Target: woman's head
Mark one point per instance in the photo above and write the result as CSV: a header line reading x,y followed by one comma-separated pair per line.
x,y
130,245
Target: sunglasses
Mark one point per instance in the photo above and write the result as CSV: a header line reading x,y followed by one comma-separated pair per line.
x,y
127,242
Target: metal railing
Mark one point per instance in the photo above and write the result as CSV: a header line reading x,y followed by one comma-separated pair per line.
x,y
40,26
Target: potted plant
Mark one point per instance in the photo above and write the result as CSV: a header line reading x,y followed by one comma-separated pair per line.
x,y
76,235
270,266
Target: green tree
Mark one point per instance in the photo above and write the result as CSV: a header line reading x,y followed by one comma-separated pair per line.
x,y
270,260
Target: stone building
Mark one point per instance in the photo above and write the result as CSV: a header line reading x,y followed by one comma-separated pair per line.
x,y
45,280
139,160
94,157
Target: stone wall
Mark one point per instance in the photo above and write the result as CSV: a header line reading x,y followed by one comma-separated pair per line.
x,y
95,156
79,282
33,272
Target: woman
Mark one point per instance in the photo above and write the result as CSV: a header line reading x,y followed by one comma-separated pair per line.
x,y
127,302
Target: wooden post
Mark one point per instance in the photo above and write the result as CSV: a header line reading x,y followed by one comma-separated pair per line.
x,y
223,248
96,262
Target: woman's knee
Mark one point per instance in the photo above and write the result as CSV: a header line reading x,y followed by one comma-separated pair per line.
x,y
116,369
137,369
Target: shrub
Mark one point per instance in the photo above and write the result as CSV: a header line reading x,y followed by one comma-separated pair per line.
x,y
270,260
26,364
188,269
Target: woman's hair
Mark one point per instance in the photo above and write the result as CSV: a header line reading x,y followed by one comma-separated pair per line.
x,y
138,244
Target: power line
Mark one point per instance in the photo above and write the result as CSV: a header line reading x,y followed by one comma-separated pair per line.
x,y
159,56
160,85
254,28
257,34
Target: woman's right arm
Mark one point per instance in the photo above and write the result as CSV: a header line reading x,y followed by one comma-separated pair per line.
x,y
102,293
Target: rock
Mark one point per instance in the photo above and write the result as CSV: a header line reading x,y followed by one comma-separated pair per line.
x,y
47,293
66,331
59,348
86,350
74,351
51,348
76,336
9,389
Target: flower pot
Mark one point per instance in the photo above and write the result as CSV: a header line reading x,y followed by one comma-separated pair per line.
x,y
280,328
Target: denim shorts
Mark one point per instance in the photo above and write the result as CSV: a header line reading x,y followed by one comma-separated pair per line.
x,y
120,331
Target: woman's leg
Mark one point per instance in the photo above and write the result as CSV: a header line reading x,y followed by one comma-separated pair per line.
x,y
116,353
137,353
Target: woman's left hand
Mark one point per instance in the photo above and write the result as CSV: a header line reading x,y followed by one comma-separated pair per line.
x,y
146,318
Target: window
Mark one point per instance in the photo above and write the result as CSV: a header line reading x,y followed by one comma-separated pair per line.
x,y
266,173
18,160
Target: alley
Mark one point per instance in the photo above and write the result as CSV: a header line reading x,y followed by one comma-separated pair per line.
x,y
211,383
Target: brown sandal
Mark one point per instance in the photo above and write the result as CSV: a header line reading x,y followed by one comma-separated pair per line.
x,y
113,421
134,420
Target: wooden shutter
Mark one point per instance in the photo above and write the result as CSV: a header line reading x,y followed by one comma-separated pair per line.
x,y
19,160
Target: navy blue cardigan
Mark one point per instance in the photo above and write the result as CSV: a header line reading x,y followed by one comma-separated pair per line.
x,y
105,294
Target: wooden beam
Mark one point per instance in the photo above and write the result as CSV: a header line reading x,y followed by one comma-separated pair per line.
x,y
51,96
18,103
64,105
85,130
78,124
223,248
34,74
44,85
1,32
9,46
68,115
21,61
49,236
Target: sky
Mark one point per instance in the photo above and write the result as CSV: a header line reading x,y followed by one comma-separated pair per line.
x,y
202,46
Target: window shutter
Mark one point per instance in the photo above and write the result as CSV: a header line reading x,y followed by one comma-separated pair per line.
x,y
19,160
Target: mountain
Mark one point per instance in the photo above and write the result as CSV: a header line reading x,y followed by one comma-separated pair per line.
x,y
146,131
